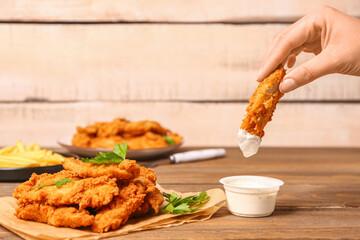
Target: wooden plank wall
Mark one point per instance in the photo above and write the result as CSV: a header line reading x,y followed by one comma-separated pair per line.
x,y
189,64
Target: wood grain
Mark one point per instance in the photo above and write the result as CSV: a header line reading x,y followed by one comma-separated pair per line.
x,y
145,62
305,224
307,206
165,11
296,166
201,124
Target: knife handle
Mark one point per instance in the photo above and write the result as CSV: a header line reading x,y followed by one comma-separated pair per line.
x,y
196,155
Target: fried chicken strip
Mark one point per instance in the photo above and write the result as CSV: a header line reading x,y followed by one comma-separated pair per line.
x,y
154,198
152,201
89,192
131,197
142,127
146,141
147,178
120,209
113,128
125,170
263,103
105,142
56,216
259,112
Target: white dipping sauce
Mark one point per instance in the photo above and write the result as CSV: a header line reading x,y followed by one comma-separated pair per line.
x,y
251,196
248,143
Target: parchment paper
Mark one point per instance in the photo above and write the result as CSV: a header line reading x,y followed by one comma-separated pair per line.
x,y
31,230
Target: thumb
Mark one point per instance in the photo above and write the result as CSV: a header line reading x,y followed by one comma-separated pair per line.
x,y
306,72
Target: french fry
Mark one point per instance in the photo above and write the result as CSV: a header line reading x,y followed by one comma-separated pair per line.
x,y
58,157
7,149
28,156
30,147
20,146
15,158
18,161
36,147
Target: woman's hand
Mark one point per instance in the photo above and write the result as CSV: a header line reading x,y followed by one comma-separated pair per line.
x,y
331,35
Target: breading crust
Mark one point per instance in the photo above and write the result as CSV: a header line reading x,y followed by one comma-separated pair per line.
x,y
262,104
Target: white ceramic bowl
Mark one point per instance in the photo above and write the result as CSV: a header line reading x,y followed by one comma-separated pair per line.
x,y
251,196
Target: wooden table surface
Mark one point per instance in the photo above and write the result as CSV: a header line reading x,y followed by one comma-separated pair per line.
x,y
320,198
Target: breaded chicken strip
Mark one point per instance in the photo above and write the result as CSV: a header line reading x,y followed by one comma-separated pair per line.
x,y
119,210
105,142
263,103
125,170
81,140
142,127
112,128
56,216
132,195
146,141
147,178
152,201
89,192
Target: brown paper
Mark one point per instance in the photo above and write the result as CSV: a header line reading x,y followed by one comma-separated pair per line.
x,y
31,230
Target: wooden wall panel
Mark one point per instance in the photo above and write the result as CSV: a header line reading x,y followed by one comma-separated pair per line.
x,y
84,63
202,124
132,62
166,11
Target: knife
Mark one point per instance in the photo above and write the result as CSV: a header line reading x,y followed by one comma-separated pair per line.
x,y
189,156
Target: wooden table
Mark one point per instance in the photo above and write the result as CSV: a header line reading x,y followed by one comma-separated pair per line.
x,y
320,198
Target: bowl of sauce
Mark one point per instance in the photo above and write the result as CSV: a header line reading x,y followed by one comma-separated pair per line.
x,y
251,196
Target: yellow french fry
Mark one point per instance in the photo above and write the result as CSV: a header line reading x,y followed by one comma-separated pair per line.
x,y
15,150
28,156
58,156
20,146
9,162
30,147
18,159
10,165
49,153
37,147
47,163
31,155
7,149
53,160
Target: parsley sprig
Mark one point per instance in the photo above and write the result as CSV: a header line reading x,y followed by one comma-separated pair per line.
x,y
169,141
117,156
179,205
57,184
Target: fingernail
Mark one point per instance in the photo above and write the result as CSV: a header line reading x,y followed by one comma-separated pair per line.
x,y
287,85
260,72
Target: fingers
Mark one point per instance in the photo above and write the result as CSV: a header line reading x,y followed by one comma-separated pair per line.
x,y
291,60
306,72
292,38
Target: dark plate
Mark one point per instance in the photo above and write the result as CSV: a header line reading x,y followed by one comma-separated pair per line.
x,y
23,174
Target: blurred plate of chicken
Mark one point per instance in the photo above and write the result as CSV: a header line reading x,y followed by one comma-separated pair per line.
x,y
145,139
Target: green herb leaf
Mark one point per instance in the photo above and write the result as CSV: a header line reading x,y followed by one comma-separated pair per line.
x,y
173,197
62,182
117,156
57,184
41,186
169,141
179,205
169,208
121,150
182,208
